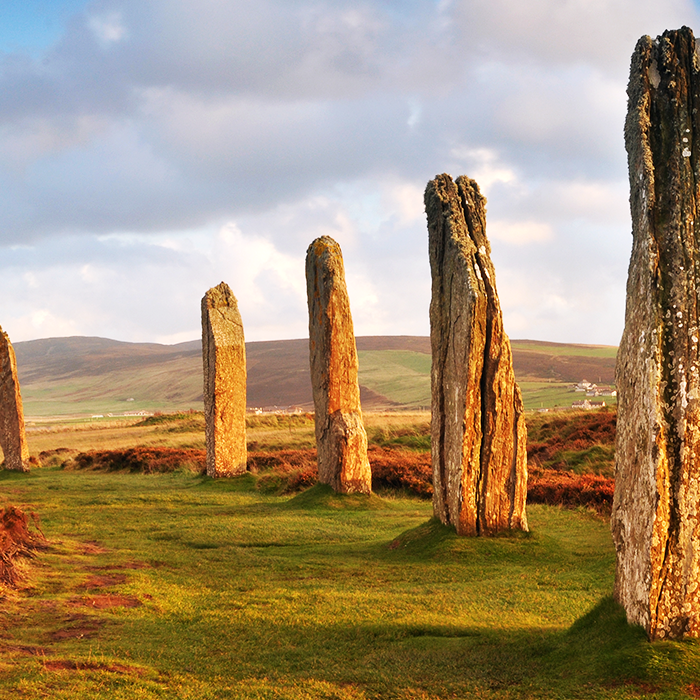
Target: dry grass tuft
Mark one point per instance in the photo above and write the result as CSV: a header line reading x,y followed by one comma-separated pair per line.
x,y
17,541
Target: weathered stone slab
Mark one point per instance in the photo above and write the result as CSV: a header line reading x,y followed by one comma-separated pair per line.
x,y
341,440
656,509
12,437
223,353
478,429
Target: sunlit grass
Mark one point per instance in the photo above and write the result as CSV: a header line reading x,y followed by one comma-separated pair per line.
x,y
244,595
240,594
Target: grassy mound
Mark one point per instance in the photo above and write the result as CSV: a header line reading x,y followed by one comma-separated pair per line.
x,y
322,496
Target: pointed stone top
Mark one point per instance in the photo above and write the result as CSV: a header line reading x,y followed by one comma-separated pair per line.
x,y
219,296
325,245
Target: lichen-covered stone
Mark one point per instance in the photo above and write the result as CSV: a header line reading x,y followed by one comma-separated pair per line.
x,y
341,440
656,509
12,437
478,429
223,353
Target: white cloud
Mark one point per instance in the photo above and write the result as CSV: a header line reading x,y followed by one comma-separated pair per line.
x,y
519,232
602,33
161,147
482,165
108,29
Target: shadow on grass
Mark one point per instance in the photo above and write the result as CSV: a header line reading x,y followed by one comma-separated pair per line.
x,y
12,475
242,483
600,656
432,539
323,497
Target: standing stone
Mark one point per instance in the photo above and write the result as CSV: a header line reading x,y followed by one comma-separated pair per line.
x,y
223,352
341,440
12,438
478,430
656,509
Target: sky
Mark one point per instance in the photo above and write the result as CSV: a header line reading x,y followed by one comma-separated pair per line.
x,y
150,149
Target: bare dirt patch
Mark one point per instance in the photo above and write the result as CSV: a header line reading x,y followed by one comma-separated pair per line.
x,y
93,548
77,627
21,650
71,665
106,601
104,581
128,565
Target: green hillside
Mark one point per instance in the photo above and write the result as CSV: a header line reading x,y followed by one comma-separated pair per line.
x,y
61,376
400,375
545,373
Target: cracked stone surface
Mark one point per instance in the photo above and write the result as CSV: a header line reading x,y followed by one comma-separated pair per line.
x,y
12,437
656,517
478,429
341,440
223,354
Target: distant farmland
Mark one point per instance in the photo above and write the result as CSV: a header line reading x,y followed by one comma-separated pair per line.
x,y
79,375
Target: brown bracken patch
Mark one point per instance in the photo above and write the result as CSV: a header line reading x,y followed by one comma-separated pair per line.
x,y
555,487
146,460
16,540
693,690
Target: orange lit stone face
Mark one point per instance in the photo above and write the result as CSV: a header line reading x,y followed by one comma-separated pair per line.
x,y
656,519
341,439
478,429
223,354
12,436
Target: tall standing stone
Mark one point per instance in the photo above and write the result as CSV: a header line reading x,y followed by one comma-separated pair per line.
x,y
656,509
341,440
12,437
478,429
223,353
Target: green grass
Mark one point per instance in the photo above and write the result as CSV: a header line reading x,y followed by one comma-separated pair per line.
x,y
402,376
245,595
565,349
171,386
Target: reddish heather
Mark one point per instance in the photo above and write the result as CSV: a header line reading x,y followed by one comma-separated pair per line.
x,y
148,460
549,436
568,489
553,440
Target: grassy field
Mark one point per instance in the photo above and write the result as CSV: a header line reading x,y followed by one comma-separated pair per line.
x,y
178,586
401,376
68,376
140,389
545,348
550,394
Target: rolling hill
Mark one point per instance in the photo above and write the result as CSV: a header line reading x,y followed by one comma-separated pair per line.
x,y
80,375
